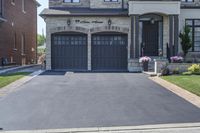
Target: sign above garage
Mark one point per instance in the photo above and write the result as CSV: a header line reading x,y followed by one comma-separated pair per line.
x,y
88,22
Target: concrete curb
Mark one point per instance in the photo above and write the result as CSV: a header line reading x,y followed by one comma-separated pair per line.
x,y
16,68
164,128
13,86
188,96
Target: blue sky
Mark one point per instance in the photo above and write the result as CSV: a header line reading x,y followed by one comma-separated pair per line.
x,y
41,23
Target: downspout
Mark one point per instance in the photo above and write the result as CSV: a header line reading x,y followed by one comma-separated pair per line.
x,y
122,4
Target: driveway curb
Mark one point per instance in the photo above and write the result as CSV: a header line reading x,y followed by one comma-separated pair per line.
x,y
13,86
164,128
188,96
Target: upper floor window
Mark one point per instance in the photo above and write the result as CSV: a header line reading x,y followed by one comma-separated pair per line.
x,y
187,0
1,7
194,25
71,1
15,41
111,0
22,44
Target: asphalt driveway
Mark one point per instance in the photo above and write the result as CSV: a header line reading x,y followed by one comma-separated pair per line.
x,y
74,100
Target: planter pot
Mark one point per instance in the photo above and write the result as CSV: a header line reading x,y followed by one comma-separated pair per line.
x,y
145,65
177,61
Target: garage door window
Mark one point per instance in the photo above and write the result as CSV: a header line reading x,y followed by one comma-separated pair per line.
x,y
69,40
109,40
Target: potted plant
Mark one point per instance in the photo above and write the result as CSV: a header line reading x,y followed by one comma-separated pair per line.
x,y
145,62
176,59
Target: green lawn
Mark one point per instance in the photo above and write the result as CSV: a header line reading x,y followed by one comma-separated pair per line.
x,y
190,83
9,78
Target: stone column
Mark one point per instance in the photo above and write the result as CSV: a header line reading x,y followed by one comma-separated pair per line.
x,y
136,51
48,50
89,52
134,65
171,35
176,34
132,37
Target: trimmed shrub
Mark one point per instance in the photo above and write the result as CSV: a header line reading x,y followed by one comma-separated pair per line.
x,y
187,73
194,69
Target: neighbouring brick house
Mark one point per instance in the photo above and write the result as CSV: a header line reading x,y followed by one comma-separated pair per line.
x,y
111,35
18,31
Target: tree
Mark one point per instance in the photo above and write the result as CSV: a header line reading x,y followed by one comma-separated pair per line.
x,y
40,40
186,42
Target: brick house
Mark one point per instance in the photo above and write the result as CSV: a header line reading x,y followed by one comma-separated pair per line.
x,y
18,31
111,35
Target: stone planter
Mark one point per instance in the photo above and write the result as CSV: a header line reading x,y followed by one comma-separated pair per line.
x,y
182,67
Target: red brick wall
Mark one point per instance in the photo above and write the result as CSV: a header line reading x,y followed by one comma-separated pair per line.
x,y
20,23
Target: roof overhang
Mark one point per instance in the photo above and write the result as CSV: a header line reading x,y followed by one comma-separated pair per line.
x,y
82,12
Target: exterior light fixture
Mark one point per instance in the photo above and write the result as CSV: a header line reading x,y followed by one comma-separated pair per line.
x,y
68,22
152,21
109,22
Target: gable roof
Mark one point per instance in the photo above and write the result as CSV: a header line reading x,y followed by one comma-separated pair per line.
x,y
62,11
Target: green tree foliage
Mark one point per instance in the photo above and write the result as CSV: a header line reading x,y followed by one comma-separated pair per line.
x,y
40,40
185,40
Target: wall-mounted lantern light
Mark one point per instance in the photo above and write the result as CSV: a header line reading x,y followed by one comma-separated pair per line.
x,y
152,20
68,22
109,22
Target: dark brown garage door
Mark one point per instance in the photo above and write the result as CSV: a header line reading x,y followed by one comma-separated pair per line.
x,y
69,52
109,52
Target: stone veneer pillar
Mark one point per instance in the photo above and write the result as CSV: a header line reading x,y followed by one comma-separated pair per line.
x,y
133,65
173,34
48,50
89,52
176,33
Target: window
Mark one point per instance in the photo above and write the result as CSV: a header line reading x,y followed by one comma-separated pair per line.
x,y
15,41
23,6
23,44
194,25
71,1
1,7
110,0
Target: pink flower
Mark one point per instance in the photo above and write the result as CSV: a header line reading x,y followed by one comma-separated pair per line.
x,y
145,59
176,59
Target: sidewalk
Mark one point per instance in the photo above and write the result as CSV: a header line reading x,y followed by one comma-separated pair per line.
x,y
165,128
17,68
